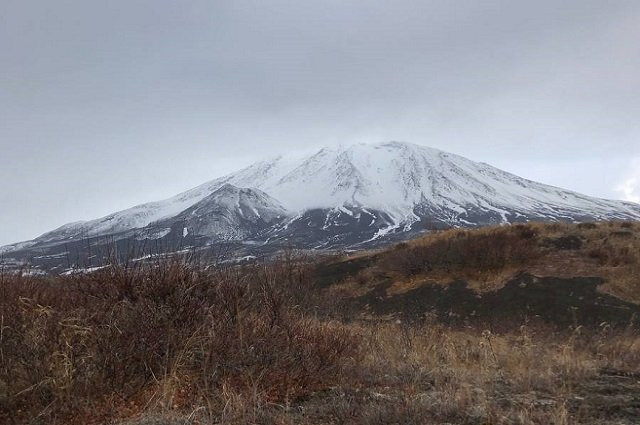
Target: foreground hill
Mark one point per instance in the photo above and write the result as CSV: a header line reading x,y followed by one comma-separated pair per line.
x,y
337,198
563,274
522,324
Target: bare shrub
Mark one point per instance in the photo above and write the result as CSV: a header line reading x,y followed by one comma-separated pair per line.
x,y
491,249
69,343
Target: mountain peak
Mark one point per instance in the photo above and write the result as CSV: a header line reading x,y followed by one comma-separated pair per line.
x,y
379,188
227,188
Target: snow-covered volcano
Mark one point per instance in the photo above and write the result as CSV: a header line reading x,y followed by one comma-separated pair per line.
x,y
340,197
397,178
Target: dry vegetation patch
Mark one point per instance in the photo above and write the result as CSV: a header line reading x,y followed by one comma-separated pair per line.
x,y
171,336
488,258
279,343
432,374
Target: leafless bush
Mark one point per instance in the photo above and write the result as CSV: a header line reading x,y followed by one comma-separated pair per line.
x,y
488,250
69,343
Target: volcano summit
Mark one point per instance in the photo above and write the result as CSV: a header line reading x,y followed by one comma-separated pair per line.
x,y
336,198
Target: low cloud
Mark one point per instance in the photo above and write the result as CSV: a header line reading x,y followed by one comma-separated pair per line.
x,y
630,187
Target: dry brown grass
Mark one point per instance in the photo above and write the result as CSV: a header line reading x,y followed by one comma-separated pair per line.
x,y
461,374
172,344
453,251
86,348
488,258
432,374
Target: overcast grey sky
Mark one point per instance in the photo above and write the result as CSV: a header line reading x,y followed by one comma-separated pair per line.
x,y
107,104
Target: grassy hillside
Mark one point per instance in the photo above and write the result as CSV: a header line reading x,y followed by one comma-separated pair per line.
x,y
563,274
530,324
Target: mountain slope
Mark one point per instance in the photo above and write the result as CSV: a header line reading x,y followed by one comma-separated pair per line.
x,y
396,177
229,213
339,198
392,177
